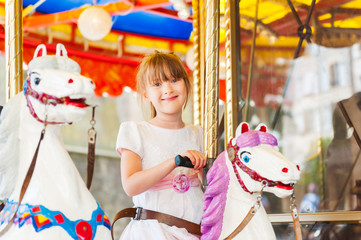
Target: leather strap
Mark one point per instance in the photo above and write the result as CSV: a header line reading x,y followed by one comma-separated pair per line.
x,y
242,225
92,136
90,157
296,225
144,214
27,179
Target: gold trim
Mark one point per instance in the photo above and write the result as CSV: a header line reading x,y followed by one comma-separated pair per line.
x,y
13,47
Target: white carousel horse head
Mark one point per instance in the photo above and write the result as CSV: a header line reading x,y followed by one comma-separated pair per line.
x,y
56,80
57,205
251,163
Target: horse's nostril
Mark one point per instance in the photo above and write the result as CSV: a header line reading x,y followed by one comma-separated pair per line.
x,y
91,82
298,168
285,170
70,80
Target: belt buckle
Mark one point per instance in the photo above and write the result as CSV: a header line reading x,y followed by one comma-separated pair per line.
x,y
137,213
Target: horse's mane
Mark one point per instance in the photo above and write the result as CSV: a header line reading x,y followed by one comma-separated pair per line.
x,y
9,144
215,198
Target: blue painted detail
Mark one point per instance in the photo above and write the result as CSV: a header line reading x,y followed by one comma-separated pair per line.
x,y
26,215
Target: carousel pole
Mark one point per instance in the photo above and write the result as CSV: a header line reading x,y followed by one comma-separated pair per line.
x,y
232,69
212,76
197,109
13,47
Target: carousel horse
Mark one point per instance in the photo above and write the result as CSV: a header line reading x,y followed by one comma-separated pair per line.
x,y
251,164
56,203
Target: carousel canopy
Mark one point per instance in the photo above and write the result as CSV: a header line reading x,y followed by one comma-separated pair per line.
x,y
140,26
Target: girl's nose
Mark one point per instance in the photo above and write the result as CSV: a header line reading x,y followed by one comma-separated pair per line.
x,y
167,87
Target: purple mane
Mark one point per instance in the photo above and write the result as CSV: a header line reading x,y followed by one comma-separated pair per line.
x,y
255,138
215,199
215,196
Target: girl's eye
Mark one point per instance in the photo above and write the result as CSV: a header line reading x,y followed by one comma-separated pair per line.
x,y
156,84
175,80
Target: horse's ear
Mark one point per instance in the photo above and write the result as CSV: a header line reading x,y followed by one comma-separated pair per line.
x,y
261,127
242,128
61,51
40,51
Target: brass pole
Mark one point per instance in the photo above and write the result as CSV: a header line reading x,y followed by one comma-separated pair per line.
x,y
211,93
232,68
251,62
13,47
196,71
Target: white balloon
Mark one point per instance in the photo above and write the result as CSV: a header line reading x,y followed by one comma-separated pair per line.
x,y
94,23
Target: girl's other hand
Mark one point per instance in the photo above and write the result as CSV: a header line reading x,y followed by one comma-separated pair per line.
x,y
196,157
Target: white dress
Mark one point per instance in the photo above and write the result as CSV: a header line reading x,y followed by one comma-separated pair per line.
x,y
155,145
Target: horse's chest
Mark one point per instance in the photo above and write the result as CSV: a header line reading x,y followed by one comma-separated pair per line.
x,y
236,210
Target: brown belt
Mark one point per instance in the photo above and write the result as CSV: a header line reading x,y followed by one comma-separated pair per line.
x,y
143,214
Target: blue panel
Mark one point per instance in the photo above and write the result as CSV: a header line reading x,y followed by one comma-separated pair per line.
x,y
138,22
153,25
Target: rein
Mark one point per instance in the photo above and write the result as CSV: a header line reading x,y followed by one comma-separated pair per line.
x,y
28,175
233,157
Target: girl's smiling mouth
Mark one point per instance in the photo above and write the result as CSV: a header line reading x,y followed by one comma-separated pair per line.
x,y
169,98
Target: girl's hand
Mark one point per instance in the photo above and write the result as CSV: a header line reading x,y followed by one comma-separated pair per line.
x,y
196,157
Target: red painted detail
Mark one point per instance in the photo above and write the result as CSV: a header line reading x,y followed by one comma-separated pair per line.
x,y
298,168
99,218
59,218
245,127
285,170
40,52
106,220
61,53
40,220
70,80
263,128
284,186
35,209
84,231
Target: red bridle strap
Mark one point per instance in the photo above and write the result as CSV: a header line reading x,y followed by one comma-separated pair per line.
x,y
253,174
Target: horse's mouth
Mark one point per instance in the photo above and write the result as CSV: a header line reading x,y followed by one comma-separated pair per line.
x,y
285,186
76,102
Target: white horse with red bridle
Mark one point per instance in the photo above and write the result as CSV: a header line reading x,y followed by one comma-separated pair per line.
x,y
56,203
251,164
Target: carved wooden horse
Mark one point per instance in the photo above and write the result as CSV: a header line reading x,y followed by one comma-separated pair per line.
x,y
57,203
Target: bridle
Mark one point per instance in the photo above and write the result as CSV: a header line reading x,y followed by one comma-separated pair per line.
x,y
233,157
44,98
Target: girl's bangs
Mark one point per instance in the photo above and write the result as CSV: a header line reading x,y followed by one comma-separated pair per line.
x,y
160,71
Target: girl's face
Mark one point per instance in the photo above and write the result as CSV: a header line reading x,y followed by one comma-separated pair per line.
x,y
167,97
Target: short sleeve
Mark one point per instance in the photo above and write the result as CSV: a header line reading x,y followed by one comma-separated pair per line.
x,y
129,137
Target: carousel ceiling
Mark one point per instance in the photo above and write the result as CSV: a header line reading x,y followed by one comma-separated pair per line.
x,y
140,26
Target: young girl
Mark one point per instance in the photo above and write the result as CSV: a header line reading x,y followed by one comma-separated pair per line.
x,y
148,151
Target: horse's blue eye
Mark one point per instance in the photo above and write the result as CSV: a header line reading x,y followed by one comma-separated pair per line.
x,y
246,159
37,81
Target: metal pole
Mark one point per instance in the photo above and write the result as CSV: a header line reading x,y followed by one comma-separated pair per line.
x,y
212,76
232,68
13,47
196,71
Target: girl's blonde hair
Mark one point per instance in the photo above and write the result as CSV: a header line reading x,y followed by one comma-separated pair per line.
x,y
160,67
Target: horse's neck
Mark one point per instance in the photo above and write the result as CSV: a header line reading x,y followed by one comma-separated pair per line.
x,y
55,183
239,203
